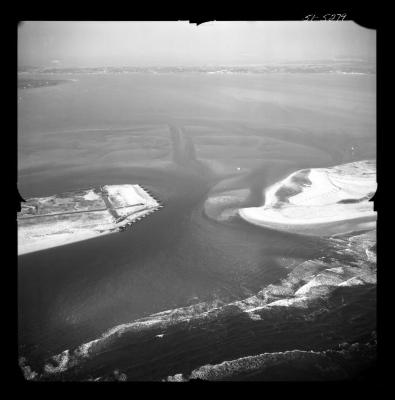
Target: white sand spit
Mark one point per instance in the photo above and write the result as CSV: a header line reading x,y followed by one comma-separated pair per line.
x,y
333,195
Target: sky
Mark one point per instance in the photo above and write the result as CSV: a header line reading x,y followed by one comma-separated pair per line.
x,y
122,43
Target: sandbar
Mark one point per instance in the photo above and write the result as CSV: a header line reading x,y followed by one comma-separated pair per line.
x,y
334,197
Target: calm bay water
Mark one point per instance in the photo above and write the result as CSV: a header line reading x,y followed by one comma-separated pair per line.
x,y
178,256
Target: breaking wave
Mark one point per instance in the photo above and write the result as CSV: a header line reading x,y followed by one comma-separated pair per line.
x,y
336,364
308,282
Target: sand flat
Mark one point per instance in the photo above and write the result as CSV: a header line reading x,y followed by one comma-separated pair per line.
x,y
336,194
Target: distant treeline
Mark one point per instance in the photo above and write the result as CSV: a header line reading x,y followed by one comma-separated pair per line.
x,y
324,67
34,83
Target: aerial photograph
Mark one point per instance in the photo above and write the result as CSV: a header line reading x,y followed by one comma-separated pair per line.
x,y
196,201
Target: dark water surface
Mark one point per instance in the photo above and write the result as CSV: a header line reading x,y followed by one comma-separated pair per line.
x,y
69,295
178,256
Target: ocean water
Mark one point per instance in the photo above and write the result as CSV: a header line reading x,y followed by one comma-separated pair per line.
x,y
185,138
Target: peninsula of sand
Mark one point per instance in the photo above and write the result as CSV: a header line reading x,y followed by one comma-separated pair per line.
x,y
323,201
65,218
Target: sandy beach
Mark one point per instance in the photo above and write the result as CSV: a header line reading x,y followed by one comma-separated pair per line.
x,y
318,197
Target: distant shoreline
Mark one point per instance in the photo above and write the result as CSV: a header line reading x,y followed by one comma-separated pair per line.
x,y
323,66
29,83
